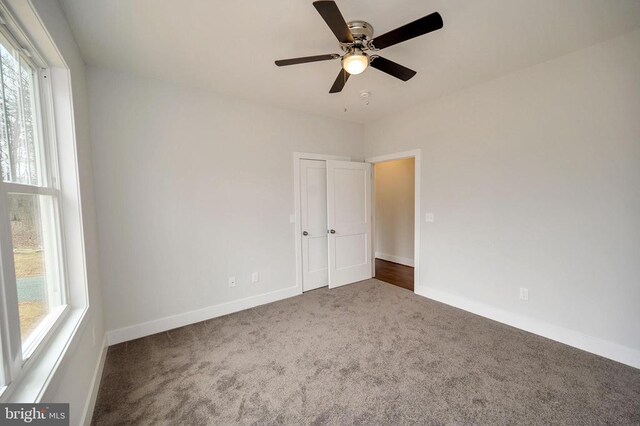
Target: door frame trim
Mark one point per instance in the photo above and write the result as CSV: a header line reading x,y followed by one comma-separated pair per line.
x,y
415,154
297,156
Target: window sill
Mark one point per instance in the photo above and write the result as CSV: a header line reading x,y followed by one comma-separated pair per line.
x,y
40,335
40,370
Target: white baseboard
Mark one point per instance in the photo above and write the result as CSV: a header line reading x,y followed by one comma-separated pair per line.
x,y
87,414
395,259
569,337
168,323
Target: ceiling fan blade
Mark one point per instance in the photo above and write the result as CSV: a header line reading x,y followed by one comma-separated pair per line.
x,y
392,68
305,59
332,16
341,79
414,29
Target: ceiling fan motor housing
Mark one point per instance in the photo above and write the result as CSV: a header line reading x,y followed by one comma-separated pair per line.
x,y
362,32
360,29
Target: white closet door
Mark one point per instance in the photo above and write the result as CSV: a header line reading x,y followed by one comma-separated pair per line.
x,y
349,219
313,201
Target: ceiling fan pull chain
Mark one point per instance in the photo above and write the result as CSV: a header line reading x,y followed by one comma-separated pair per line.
x,y
343,95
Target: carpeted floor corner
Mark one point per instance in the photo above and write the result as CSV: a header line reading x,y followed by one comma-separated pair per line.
x,y
367,353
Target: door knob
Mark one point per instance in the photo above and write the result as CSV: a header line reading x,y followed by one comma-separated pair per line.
x,y
333,231
305,233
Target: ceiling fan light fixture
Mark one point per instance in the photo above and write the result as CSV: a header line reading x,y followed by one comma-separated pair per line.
x,y
355,62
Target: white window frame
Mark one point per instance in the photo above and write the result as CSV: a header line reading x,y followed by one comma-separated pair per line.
x,y
18,366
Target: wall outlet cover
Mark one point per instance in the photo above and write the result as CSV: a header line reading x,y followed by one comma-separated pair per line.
x,y
255,277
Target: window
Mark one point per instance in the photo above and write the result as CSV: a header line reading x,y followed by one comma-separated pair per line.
x,y
31,249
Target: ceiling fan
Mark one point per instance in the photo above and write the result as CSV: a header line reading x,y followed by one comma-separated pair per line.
x,y
355,38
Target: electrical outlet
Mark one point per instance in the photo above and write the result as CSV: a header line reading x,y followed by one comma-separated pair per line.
x,y
232,281
429,217
292,218
524,294
255,277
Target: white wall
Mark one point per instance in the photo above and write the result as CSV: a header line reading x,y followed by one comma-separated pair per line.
x,y
395,215
194,187
72,381
534,179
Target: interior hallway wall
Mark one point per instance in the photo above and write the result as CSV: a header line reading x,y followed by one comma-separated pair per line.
x,y
394,209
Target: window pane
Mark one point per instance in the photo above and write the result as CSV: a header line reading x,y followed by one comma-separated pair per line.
x,y
36,260
18,145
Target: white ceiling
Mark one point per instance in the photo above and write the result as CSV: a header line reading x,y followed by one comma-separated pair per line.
x,y
230,46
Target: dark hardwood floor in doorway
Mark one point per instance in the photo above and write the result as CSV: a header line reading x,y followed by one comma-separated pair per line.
x,y
394,273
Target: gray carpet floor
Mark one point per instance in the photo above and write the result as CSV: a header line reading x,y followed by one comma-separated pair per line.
x,y
367,353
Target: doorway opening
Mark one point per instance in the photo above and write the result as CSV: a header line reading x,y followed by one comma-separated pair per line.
x,y
396,218
394,189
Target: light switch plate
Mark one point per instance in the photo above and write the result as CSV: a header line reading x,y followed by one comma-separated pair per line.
x,y
429,217
292,218
255,277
